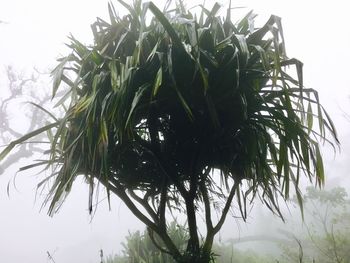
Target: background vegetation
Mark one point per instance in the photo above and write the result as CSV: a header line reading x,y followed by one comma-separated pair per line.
x,y
324,237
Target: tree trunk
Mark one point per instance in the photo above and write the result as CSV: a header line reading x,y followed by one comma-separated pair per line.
x,y
199,257
193,242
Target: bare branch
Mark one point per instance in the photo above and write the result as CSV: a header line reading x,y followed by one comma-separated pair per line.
x,y
145,205
206,201
150,233
227,207
120,192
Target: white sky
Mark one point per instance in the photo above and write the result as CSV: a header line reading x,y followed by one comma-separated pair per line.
x,y
316,32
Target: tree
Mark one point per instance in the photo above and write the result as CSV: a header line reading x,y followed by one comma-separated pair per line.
x,y
139,248
21,88
184,113
327,221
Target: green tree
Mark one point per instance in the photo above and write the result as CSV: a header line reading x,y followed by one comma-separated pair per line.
x,y
327,221
140,248
175,112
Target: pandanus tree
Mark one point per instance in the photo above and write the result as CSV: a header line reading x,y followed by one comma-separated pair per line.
x,y
173,110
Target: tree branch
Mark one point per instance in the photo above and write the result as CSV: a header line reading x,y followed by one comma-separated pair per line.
x,y
206,201
150,233
162,206
193,242
145,205
120,192
227,207
208,244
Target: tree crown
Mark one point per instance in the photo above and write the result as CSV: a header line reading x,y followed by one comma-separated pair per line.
x,y
157,106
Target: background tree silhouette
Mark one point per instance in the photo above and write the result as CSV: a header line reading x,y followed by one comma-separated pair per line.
x,y
186,114
22,87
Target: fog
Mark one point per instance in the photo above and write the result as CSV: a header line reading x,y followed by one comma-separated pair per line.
x,y
32,37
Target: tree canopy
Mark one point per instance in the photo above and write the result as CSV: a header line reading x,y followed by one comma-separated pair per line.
x,y
182,111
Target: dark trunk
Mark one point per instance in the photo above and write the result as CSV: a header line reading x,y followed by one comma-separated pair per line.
x,y
193,242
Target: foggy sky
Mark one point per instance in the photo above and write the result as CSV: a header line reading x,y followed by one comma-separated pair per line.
x,y
316,32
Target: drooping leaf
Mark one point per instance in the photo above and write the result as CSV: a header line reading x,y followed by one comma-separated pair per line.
x,y
25,138
158,81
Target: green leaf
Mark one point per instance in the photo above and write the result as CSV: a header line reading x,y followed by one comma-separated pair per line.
x,y
131,10
245,25
184,104
153,52
259,35
263,57
167,26
64,98
27,167
24,138
114,75
138,96
112,13
103,132
282,154
57,78
310,117
319,166
83,104
241,44
204,76
158,81
212,14
44,110
332,129
96,58
300,201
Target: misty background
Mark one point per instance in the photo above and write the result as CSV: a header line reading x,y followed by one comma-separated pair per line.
x,y
32,37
